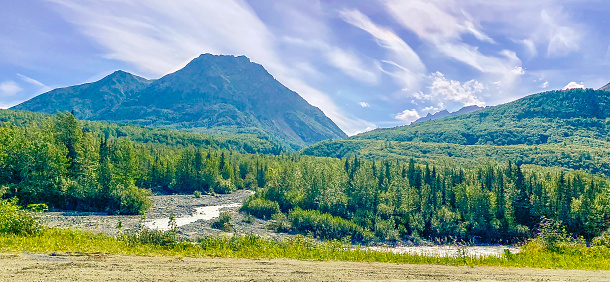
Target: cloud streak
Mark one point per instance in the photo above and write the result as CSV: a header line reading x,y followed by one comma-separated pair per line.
x,y
409,65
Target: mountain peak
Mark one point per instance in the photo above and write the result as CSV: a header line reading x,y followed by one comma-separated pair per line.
x,y
217,93
445,113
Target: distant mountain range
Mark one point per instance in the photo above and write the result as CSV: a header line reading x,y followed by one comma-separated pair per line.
x,y
445,113
210,94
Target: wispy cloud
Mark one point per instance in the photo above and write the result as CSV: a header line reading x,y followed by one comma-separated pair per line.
x,y
41,86
160,37
410,66
346,61
364,104
442,25
9,88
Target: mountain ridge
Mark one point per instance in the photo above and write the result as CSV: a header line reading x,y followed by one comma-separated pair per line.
x,y
445,113
212,93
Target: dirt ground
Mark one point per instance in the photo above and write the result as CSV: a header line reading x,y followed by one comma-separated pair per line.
x,y
58,267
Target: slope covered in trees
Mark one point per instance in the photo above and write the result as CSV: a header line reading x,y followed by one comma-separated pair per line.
x,y
557,128
55,161
242,143
548,117
210,94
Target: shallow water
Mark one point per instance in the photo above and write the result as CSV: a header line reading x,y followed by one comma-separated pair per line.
x,y
448,251
203,213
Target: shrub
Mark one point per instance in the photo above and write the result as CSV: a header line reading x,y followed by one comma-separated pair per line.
x,y
325,225
279,223
150,236
261,208
197,194
602,240
15,220
224,222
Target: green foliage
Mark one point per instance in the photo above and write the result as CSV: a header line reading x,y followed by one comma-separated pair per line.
x,y
490,202
197,194
572,133
279,223
15,220
54,240
224,222
325,225
149,236
260,208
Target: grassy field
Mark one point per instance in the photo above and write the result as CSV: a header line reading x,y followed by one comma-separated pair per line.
x,y
302,248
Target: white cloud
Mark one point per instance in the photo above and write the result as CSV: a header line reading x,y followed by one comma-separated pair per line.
x,y
442,90
409,65
573,85
346,61
408,115
364,104
562,39
442,25
434,20
9,88
41,86
431,109
545,85
159,37
351,65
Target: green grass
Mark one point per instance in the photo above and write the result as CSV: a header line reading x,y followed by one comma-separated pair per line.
x,y
53,240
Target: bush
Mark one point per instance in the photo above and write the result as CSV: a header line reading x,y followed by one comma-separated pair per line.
x,y
15,220
197,194
224,222
325,225
602,240
279,223
150,236
261,208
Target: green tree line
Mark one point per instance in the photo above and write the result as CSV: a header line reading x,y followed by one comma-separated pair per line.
x,y
394,200
68,166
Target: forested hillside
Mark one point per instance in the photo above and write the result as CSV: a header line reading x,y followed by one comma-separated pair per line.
x,y
243,143
557,128
58,161
548,117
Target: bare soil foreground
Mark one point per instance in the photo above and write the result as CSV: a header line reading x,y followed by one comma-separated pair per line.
x,y
43,267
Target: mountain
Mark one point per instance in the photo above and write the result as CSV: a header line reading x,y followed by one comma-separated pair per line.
x,y
548,117
89,100
445,113
557,128
606,87
210,94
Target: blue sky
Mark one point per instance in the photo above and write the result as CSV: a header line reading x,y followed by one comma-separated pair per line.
x,y
366,64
